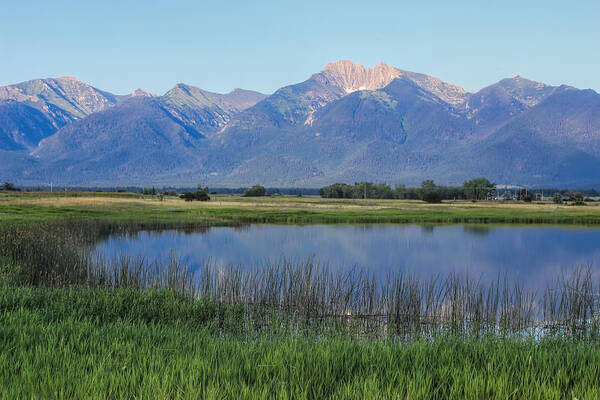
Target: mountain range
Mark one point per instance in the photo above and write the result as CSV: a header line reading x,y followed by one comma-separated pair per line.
x,y
345,123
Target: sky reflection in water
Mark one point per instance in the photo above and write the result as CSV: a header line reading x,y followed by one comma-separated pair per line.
x,y
532,254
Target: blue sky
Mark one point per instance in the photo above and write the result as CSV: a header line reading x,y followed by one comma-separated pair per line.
x,y
262,45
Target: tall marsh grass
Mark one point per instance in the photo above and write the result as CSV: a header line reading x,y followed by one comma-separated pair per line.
x,y
306,296
78,358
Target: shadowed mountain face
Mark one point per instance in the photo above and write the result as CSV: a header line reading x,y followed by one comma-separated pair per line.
x,y
345,123
556,142
364,134
525,91
402,114
44,106
123,142
21,126
494,105
207,111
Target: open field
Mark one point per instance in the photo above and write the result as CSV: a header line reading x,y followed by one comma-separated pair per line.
x,y
226,209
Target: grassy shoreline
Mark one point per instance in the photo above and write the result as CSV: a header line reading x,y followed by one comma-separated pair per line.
x,y
223,210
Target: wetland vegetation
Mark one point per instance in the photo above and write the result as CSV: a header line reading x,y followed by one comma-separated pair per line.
x,y
76,326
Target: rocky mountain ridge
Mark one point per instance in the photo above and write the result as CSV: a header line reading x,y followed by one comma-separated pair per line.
x,y
344,123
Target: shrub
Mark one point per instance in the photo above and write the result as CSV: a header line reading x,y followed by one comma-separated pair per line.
x,y
433,197
575,196
557,199
198,195
9,187
255,191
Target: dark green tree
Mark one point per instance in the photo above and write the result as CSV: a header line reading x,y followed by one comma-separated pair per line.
x,y
431,192
255,191
337,191
478,189
383,191
201,194
359,190
8,186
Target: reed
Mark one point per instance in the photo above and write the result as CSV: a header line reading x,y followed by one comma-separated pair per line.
x,y
307,297
59,253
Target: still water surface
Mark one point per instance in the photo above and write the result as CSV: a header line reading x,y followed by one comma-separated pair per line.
x,y
532,254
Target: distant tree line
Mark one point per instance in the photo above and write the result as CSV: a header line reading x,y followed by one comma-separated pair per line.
x,y
233,191
475,189
576,198
558,196
9,187
149,191
549,192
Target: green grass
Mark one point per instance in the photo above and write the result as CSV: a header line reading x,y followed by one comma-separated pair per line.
x,y
28,207
61,344
107,306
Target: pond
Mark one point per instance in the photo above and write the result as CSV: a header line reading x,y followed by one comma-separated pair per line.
x,y
532,254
